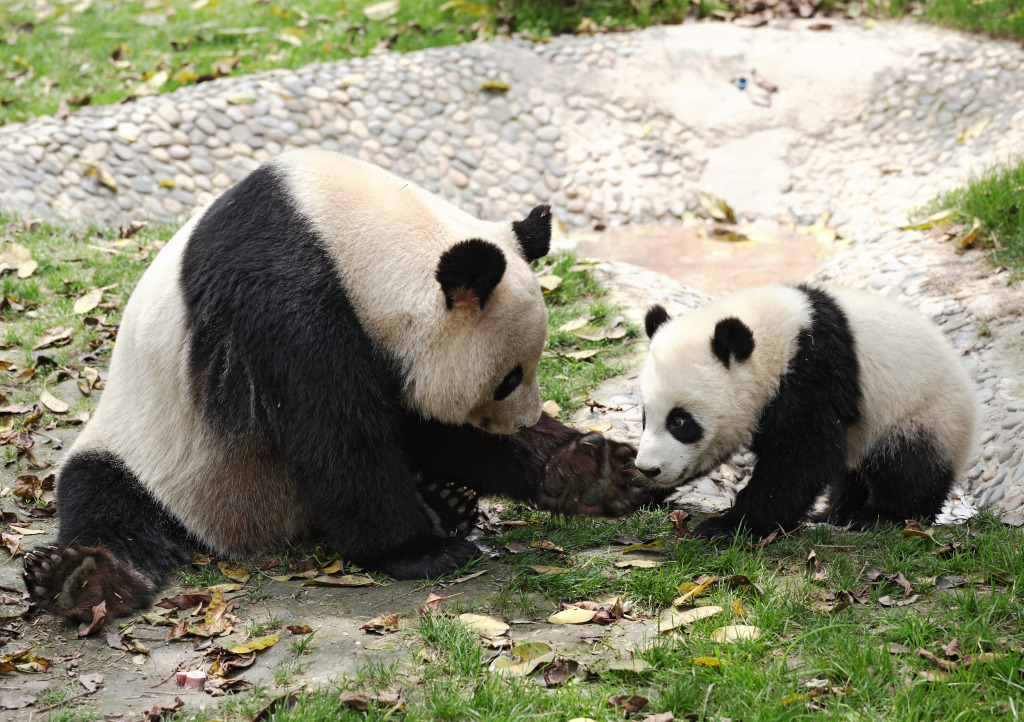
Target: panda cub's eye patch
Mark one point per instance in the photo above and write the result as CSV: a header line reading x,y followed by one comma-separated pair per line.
x,y
681,424
509,384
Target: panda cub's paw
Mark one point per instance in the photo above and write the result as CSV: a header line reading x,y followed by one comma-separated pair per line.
x,y
427,556
452,509
68,581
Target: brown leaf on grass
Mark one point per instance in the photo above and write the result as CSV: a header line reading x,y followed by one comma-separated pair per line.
x,y
741,583
55,336
895,648
691,590
546,546
657,544
541,569
383,624
297,629
99,618
186,601
234,572
679,519
627,704
767,540
346,580
560,671
278,704
951,582
811,565
840,601
952,650
943,664
131,229
516,547
430,606
901,581
625,541
163,709
660,717
126,643
361,702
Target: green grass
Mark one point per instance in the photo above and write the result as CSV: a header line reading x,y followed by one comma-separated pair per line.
x,y
996,199
63,51
1001,18
104,51
565,380
759,679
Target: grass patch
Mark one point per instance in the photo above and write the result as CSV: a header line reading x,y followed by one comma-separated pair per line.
x,y
858,663
996,199
1000,18
105,50
580,298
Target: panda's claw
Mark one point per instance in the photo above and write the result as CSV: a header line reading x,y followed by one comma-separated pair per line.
x,y
451,509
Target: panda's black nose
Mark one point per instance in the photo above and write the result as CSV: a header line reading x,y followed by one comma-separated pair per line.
x,y
650,473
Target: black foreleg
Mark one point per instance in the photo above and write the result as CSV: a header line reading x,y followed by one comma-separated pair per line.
x,y
551,465
115,542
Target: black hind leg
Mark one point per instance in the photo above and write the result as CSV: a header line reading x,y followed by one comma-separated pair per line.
x,y
845,499
114,545
907,478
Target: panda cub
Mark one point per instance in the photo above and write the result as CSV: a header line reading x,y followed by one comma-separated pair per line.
x,y
327,350
832,389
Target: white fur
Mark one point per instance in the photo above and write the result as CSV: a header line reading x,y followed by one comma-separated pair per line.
x,y
386,235
910,379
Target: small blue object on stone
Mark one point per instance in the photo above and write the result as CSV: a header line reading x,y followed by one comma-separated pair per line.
x,y
741,83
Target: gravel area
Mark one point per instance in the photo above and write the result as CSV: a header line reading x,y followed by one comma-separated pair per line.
x,y
615,129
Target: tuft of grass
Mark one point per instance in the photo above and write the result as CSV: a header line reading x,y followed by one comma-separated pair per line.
x,y
565,380
108,50
1000,18
996,199
260,627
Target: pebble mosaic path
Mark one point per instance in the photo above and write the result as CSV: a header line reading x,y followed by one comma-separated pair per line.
x,y
616,129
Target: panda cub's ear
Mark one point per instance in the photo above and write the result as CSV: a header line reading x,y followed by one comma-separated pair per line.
x,y
732,338
468,272
656,315
534,233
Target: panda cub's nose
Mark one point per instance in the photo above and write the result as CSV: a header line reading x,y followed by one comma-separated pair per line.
x,y
650,472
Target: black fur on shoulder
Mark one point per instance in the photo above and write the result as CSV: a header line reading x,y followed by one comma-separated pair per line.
x,y
656,315
534,233
732,338
470,270
271,325
800,441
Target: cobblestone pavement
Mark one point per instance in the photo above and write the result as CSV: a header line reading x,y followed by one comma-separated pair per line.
x,y
614,129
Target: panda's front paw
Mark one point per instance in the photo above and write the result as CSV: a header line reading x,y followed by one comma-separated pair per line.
x,y
595,476
720,527
452,509
426,557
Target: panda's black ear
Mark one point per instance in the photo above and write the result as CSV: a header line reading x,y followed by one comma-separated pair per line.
x,y
732,338
468,272
534,233
656,315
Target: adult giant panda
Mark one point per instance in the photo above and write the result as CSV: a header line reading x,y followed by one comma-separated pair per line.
x,y
830,388
307,355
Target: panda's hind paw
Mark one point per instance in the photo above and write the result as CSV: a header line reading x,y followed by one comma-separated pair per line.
x,y
68,581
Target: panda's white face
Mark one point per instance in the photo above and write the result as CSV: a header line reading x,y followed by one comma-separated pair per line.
x,y
683,405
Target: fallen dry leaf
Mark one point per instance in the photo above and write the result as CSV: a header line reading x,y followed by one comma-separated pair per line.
x,y
254,645
99,618
693,589
671,619
735,633
627,704
481,624
572,616
679,519
383,624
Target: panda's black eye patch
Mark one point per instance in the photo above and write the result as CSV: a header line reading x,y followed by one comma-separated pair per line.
x,y
509,384
681,424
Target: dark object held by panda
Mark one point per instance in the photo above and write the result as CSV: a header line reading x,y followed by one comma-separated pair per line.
x,y
327,350
834,390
